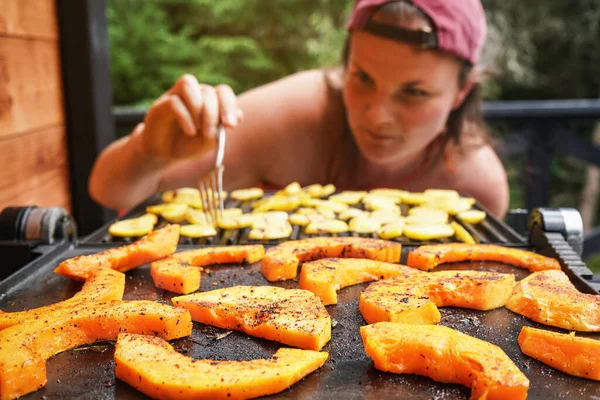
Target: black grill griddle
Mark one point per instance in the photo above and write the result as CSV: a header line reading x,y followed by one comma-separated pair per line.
x,y
88,372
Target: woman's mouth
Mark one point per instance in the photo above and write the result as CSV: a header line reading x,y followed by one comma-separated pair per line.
x,y
378,136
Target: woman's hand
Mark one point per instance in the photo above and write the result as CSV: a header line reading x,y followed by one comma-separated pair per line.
x,y
182,123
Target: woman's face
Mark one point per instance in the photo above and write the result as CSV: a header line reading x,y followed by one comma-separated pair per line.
x,y
398,97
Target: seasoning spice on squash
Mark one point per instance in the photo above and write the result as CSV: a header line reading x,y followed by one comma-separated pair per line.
x,y
281,262
292,316
152,366
414,299
179,273
155,245
548,297
103,284
324,277
445,355
576,356
430,256
24,348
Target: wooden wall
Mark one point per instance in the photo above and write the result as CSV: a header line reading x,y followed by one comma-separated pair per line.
x,y
33,149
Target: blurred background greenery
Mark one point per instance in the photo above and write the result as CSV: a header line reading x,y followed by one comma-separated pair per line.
x,y
540,49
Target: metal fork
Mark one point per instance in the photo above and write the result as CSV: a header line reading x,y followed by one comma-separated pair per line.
x,y
211,185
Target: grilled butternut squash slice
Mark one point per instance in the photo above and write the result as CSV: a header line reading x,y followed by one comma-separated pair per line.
x,y
24,348
576,356
445,355
152,366
325,277
291,316
415,298
103,284
281,262
548,297
430,256
155,245
179,273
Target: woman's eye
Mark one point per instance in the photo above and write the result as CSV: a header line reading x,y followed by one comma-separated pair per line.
x,y
363,78
415,92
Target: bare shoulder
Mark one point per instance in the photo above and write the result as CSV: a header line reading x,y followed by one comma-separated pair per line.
x,y
289,121
479,171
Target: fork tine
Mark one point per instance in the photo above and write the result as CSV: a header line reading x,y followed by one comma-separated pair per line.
x,y
214,196
205,200
220,186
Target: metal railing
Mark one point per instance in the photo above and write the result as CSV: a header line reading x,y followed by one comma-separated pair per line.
x,y
536,128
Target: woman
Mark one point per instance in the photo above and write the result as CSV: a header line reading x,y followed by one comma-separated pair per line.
x,y
404,113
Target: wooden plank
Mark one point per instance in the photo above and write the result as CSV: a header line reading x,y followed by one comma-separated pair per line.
x,y
31,18
35,169
30,85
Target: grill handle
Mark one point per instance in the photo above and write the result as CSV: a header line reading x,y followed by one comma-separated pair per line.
x,y
558,233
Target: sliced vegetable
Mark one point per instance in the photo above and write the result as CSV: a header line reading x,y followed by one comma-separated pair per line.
x,y
386,216
179,273
430,256
152,366
414,299
324,277
391,230
102,284
316,227
280,230
24,348
291,316
133,227
364,224
281,262
348,196
445,355
472,216
577,356
155,245
427,232
197,231
247,194
549,297
461,233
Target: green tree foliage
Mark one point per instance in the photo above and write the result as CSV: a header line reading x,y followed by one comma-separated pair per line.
x,y
242,43
545,49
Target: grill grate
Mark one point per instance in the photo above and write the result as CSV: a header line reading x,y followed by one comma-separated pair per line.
x,y
490,231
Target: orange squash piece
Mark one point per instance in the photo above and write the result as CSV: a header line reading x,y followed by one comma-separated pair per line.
x,y
548,297
292,316
576,356
324,277
155,245
445,355
103,284
430,256
281,262
24,348
179,273
152,366
414,299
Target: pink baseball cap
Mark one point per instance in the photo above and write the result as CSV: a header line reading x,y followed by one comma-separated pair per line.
x,y
459,25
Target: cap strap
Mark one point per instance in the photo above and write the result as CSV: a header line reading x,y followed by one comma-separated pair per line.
x,y
423,37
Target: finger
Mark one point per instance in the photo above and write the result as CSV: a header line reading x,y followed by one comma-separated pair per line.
x,y
227,105
188,89
210,112
174,106
240,114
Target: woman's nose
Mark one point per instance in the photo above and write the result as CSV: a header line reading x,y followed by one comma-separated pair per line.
x,y
378,111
